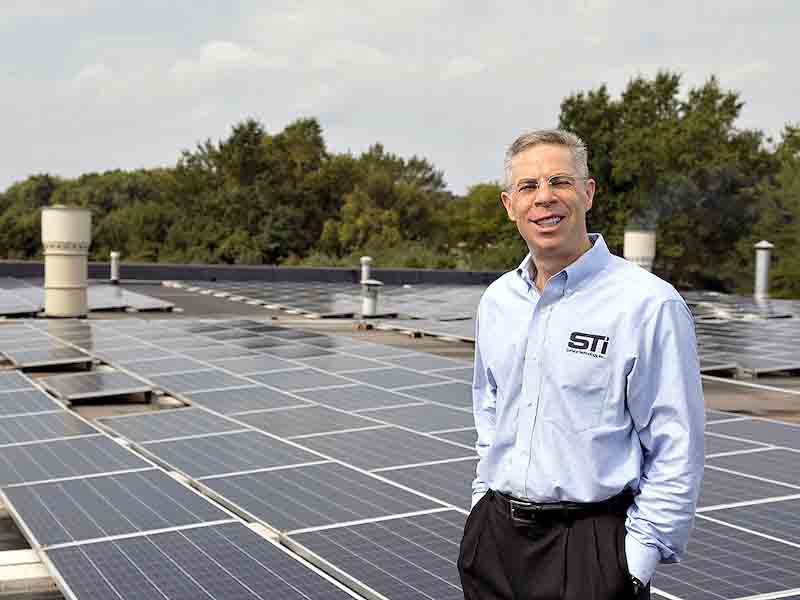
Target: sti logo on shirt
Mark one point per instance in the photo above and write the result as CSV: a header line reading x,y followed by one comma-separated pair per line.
x,y
587,343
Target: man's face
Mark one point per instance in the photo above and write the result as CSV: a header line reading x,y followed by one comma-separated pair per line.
x,y
552,218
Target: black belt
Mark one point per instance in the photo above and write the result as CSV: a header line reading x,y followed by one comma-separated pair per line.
x,y
523,512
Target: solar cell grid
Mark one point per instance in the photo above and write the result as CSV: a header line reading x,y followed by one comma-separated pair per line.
x,y
210,379
297,379
93,385
46,426
84,455
425,362
780,519
314,495
395,377
385,447
768,432
11,381
259,363
717,444
303,421
354,397
412,558
83,509
721,487
163,366
338,363
215,352
166,424
465,437
422,417
234,400
228,453
724,563
782,466
216,562
26,401
456,394
296,351
449,481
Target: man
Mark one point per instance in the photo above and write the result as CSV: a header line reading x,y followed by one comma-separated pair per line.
x,y
587,402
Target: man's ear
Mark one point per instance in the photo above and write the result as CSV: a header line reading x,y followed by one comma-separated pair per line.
x,y
506,198
591,186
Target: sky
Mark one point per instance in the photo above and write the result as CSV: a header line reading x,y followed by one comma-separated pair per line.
x,y
94,85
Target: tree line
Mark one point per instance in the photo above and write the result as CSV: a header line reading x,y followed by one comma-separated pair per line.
x,y
662,159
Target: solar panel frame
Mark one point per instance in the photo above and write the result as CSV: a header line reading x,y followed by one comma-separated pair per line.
x,y
68,388
177,423
312,495
66,459
38,427
226,560
84,509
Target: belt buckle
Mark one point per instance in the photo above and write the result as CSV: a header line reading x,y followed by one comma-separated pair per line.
x,y
515,506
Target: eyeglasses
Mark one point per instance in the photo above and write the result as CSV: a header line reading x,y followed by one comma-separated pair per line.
x,y
558,184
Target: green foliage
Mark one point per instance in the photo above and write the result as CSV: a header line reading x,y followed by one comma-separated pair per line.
x,y
662,159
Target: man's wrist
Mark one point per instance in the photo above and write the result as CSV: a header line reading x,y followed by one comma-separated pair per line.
x,y
642,559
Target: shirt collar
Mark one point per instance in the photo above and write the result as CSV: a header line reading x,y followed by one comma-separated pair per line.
x,y
589,263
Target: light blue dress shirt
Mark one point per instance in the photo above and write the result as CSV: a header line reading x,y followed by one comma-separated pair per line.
x,y
588,387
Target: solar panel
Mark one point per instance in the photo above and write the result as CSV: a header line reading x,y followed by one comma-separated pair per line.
x,y
210,379
11,381
354,397
768,432
255,397
228,453
53,355
314,495
780,519
218,562
782,466
423,417
722,562
465,437
412,558
261,342
298,379
26,401
83,509
721,488
396,377
463,374
215,352
93,385
304,420
385,447
296,351
65,458
162,366
47,426
337,363
167,424
425,362
448,481
260,363
715,445
295,334
452,393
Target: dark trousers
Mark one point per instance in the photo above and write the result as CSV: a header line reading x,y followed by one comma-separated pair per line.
x,y
558,558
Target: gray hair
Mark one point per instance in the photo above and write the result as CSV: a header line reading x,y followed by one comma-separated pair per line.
x,y
553,137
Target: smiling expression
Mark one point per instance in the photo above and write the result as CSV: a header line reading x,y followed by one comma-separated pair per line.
x,y
552,221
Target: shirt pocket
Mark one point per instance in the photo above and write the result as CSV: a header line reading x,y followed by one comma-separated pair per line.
x,y
575,391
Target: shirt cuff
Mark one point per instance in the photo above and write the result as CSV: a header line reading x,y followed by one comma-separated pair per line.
x,y
642,559
476,497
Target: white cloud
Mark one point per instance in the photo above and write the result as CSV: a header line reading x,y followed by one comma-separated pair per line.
x,y
347,53
92,75
219,57
463,66
16,9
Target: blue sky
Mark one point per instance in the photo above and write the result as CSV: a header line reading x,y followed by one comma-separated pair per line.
x,y
91,85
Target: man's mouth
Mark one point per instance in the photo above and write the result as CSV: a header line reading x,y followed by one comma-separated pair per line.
x,y
547,221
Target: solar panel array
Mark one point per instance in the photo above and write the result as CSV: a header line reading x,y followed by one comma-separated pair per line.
x,y
26,298
361,457
735,333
